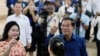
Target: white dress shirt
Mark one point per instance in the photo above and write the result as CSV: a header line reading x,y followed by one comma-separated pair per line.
x,y
96,6
87,5
94,23
25,28
61,11
54,21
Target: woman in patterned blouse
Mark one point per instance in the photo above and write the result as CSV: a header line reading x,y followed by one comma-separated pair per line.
x,y
10,44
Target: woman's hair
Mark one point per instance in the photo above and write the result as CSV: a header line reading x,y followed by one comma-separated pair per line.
x,y
7,28
57,46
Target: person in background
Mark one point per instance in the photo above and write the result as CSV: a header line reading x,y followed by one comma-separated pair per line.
x,y
40,4
88,12
95,8
66,10
10,5
57,5
47,20
52,18
24,24
30,12
96,22
10,44
82,23
56,47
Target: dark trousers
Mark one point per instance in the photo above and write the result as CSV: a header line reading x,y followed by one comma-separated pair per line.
x,y
95,32
87,34
98,47
39,36
42,50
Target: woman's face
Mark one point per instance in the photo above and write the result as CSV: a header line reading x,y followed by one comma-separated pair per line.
x,y
13,32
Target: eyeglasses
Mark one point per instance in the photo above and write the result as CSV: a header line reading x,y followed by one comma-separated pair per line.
x,y
67,26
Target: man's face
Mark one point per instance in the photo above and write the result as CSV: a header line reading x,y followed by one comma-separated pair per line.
x,y
18,8
50,8
66,27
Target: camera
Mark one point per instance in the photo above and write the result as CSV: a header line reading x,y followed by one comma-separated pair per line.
x,y
43,13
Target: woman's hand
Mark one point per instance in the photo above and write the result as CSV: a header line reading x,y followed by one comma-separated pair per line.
x,y
12,42
31,9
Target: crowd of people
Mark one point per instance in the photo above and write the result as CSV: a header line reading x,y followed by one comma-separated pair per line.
x,y
52,27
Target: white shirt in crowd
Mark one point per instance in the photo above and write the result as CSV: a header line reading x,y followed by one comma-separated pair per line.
x,y
96,6
61,11
87,5
85,20
52,20
94,23
25,28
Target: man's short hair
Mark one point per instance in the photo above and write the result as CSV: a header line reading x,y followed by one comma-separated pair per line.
x,y
67,18
18,2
